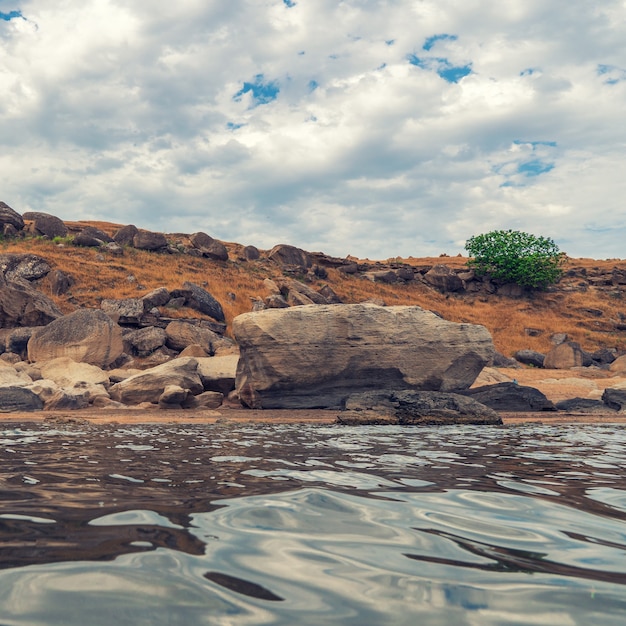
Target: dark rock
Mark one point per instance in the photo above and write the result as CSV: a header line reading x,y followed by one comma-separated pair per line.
x,y
603,356
290,256
10,217
329,295
23,266
22,305
443,278
209,247
46,225
147,240
405,273
14,399
91,237
290,289
349,268
582,405
615,398
157,297
275,301
510,397
618,276
499,360
17,340
179,335
250,253
201,300
9,231
533,332
416,407
384,276
113,248
124,311
125,235
530,357
510,290
60,282
144,341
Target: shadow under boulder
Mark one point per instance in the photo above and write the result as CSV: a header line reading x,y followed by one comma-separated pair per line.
x,y
510,397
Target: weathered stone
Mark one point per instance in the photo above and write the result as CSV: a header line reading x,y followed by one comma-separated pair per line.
x,y
510,397
200,300
173,397
290,288
443,278
618,366
218,373
349,268
209,247
564,356
530,357
23,266
251,253
315,356
499,360
383,276
10,377
150,384
23,305
68,373
91,237
157,297
16,340
417,407
275,302
60,282
615,399
194,350
14,399
209,400
603,356
85,336
290,256
45,225
125,311
68,400
147,240
125,235
329,295
10,217
180,334
145,341
618,276
558,338
583,405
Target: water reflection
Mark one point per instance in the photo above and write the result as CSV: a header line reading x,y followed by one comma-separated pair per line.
x,y
288,524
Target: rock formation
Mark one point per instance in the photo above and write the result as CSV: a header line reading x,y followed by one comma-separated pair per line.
x,y
315,356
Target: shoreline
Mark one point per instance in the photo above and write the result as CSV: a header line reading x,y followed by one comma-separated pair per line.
x,y
264,416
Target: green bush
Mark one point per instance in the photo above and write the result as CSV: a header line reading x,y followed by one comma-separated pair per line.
x,y
512,256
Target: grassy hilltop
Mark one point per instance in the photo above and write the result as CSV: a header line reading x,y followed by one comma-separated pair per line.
x,y
588,303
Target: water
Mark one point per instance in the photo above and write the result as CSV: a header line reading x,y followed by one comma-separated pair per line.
x,y
291,524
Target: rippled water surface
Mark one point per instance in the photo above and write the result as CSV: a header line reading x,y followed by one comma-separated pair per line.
x,y
291,524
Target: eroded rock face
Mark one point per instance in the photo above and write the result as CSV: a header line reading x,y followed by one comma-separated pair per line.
x,y
85,336
10,217
22,305
46,225
315,356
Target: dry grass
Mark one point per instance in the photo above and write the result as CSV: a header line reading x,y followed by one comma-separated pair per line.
x,y
234,284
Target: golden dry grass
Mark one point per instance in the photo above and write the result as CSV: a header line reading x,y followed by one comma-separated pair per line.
x,y
235,284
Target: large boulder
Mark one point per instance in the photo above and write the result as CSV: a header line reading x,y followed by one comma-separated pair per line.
x,y
125,235
68,373
218,373
22,305
23,266
18,399
615,399
10,377
10,217
530,357
181,334
315,356
415,407
564,356
443,278
45,225
290,256
85,336
199,299
209,247
144,341
149,385
511,397
91,237
124,311
147,240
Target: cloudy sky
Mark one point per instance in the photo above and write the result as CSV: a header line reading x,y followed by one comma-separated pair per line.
x,y
375,128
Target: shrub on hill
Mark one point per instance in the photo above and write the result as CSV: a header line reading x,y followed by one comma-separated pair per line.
x,y
512,256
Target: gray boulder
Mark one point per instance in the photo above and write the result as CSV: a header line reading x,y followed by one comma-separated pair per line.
x,y
510,397
173,397
144,341
218,373
23,267
91,237
147,240
22,305
564,356
583,405
530,357
209,247
14,399
615,399
200,300
125,235
290,256
156,298
443,278
9,217
315,356
124,311
179,335
45,225
149,385
415,407
85,336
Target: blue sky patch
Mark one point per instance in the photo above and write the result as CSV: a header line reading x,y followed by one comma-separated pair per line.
x,y
11,15
289,3
534,167
313,85
450,73
612,74
534,144
431,41
262,91
233,126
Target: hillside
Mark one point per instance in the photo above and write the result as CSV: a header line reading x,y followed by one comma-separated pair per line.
x,y
587,304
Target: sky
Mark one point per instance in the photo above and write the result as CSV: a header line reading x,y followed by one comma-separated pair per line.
x,y
373,128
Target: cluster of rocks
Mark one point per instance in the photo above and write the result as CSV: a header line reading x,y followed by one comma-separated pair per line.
x,y
568,354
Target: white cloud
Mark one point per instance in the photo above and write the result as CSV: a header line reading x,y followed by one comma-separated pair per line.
x,y
128,111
